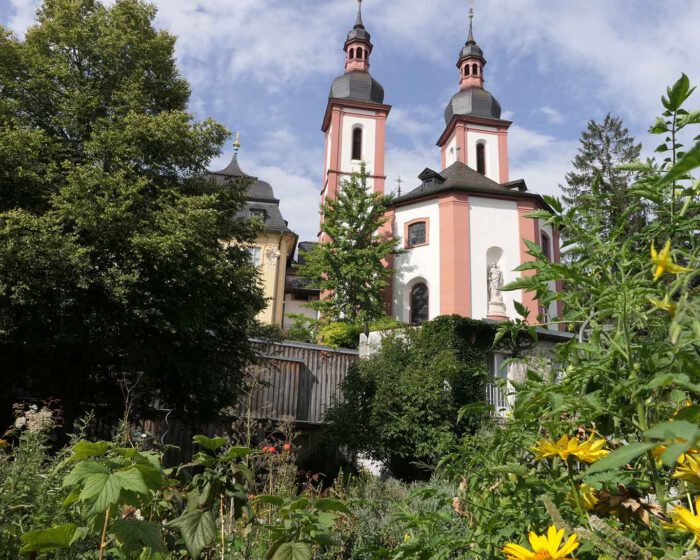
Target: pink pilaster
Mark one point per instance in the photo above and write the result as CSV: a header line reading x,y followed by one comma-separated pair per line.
x,y
503,155
380,143
528,231
455,276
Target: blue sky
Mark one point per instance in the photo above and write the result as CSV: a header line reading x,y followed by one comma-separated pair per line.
x,y
264,68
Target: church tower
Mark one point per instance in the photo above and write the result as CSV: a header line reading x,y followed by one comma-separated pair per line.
x,y
474,133
355,118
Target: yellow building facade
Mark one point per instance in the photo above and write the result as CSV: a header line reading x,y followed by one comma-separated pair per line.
x,y
274,246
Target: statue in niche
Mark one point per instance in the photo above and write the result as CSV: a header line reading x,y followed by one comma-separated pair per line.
x,y
495,283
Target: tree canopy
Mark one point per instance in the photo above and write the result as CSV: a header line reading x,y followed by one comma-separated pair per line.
x,y
112,266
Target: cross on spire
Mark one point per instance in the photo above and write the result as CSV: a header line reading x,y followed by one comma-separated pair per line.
x,y
399,180
470,39
237,144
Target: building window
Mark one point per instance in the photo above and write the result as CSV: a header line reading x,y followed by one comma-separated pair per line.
x,y
466,69
420,299
366,54
357,143
498,387
255,256
475,69
417,234
359,54
546,246
481,158
258,213
352,53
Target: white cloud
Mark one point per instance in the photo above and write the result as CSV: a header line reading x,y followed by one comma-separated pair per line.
x,y
542,160
552,115
24,12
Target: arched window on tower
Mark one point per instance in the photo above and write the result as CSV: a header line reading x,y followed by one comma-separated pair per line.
x,y
420,299
481,158
357,143
352,53
475,69
366,54
466,69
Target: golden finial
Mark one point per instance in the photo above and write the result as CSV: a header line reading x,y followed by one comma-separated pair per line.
x,y
237,143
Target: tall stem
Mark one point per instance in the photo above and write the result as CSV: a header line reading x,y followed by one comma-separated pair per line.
x,y
673,163
222,520
103,540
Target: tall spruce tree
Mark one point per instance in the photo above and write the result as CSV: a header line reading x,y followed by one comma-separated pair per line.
x,y
604,146
112,268
349,265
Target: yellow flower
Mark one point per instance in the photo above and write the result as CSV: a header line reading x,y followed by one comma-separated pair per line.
x,y
665,305
688,469
663,261
588,497
544,547
659,450
589,451
685,520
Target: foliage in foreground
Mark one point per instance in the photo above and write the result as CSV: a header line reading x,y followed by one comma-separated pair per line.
x,y
111,262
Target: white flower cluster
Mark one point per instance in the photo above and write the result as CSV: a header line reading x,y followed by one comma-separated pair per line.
x,y
36,421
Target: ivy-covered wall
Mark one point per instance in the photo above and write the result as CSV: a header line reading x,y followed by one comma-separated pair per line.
x,y
401,404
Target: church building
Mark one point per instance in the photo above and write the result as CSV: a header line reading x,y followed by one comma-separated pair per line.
x,y
464,227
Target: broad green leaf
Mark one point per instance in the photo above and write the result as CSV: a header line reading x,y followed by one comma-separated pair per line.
x,y
236,453
678,93
45,540
102,490
687,163
132,479
212,444
521,309
659,126
675,431
269,499
328,504
693,117
620,457
198,530
689,413
293,551
135,535
82,471
85,449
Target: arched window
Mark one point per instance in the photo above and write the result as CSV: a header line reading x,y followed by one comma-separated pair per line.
x,y
352,53
417,233
466,69
545,245
366,54
481,158
359,53
357,143
420,299
475,69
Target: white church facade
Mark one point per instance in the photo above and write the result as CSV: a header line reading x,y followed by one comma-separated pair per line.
x,y
463,228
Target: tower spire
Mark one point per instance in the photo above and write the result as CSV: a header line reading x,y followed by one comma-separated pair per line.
x,y
236,145
358,22
470,39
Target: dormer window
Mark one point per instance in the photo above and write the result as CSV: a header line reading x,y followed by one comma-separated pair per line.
x,y
416,233
357,143
481,158
258,213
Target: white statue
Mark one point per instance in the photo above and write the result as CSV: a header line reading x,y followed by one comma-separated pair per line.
x,y
496,308
495,283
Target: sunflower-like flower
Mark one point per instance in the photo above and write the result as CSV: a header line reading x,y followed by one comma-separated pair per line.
x,y
663,261
588,451
688,469
665,305
685,520
588,496
544,547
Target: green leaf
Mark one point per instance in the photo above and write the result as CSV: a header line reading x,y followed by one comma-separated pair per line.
x,y
620,457
85,449
659,126
687,163
198,530
693,117
328,504
102,489
521,309
45,540
212,444
236,453
292,551
674,431
135,535
269,499
82,471
132,480
678,93
689,413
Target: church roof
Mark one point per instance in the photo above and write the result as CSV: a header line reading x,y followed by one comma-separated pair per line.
x,y
260,197
473,101
460,177
357,86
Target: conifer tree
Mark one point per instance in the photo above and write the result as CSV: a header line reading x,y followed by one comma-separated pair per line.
x,y
349,265
604,146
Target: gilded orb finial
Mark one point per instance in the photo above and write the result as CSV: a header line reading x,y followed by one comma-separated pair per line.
x,y
237,143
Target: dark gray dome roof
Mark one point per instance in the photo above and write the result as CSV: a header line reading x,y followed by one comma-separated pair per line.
x,y
358,34
473,101
357,86
471,49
